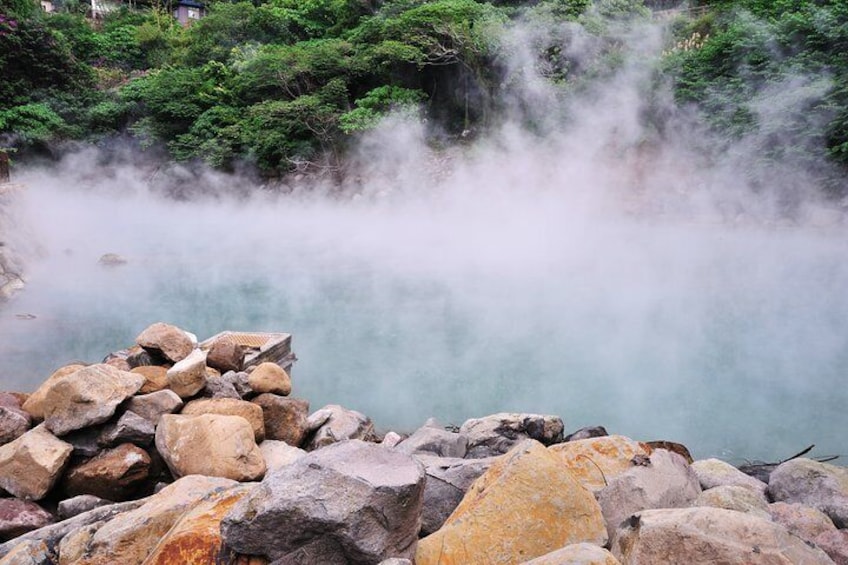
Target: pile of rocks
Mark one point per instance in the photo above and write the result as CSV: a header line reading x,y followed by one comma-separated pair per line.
x,y
166,453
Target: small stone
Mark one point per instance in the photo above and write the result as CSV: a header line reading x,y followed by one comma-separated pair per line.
x,y
225,355
218,387
155,378
270,378
285,418
152,406
391,439
129,428
115,474
111,260
587,433
188,377
497,433
166,340
240,383
334,423
76,505
437,441
20,516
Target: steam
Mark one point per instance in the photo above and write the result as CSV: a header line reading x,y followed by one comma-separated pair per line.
x,y
571,269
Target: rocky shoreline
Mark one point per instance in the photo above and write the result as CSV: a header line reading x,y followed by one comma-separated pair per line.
x,y
172,451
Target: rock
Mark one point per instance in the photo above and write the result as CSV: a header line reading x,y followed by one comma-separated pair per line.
x,y
129,428
279,454
155,378
395,561
352,502
85,442
835,544
391,439
115,474
333,423
271,378
86,397
285,419
524,506
165,340
31,464
196,538
225,355
11,400
230,407
20,516
715,472
673,447
118,363
448,479
706,536
596,461
210,444
218,387
665,481
111,260
152,406
496,434
138,357
437,441
131,536
30,553
587,433
14,423
805,522
76,505
576,554
733,497
188,377
815,484
239,382
34,404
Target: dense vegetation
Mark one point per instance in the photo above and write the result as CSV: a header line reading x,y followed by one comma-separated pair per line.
x,y
286,84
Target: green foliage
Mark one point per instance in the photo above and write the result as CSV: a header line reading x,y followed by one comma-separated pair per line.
x,y
32,123
376,104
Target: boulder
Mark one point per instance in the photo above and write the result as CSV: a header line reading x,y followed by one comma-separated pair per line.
x,y
196,537
587,433
86,397
152,406
271,378
21,516
733,497
225,355
438,441
820,485
715,472
34,404
132,535
576,554
138,357
664,481
803,521
285,419
218,387
85,442
155,377
129,428
835,544
30,553
188,377
706,536
524,506
496,434
595,461
333,423
352,502
279,454
31,464
448,479
115,474
391,439
165,340
229,407
14,423
76,505
239,382
209,444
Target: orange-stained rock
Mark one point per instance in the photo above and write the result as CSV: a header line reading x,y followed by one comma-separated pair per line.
x,y
526,505
35,403
595,461
155,378
196,538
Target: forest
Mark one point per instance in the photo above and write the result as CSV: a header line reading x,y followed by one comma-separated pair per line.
x,y
289,85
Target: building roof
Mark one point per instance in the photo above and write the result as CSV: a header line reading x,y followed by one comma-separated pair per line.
x,y
190,4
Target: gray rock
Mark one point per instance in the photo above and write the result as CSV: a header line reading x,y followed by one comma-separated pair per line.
x,y
188,377
707,536
279,454
665,481
31,465
803,521
587,433
448,479
14,423
18,517
285,418
152,406
85,441
733,497
76,505
240,383
715,472
352,502
218,387
165,340
129,428
333,423
496,434
433,440
815,484
835,544
87,397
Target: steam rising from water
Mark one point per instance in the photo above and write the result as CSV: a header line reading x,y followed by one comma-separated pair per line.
x,y
570,273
